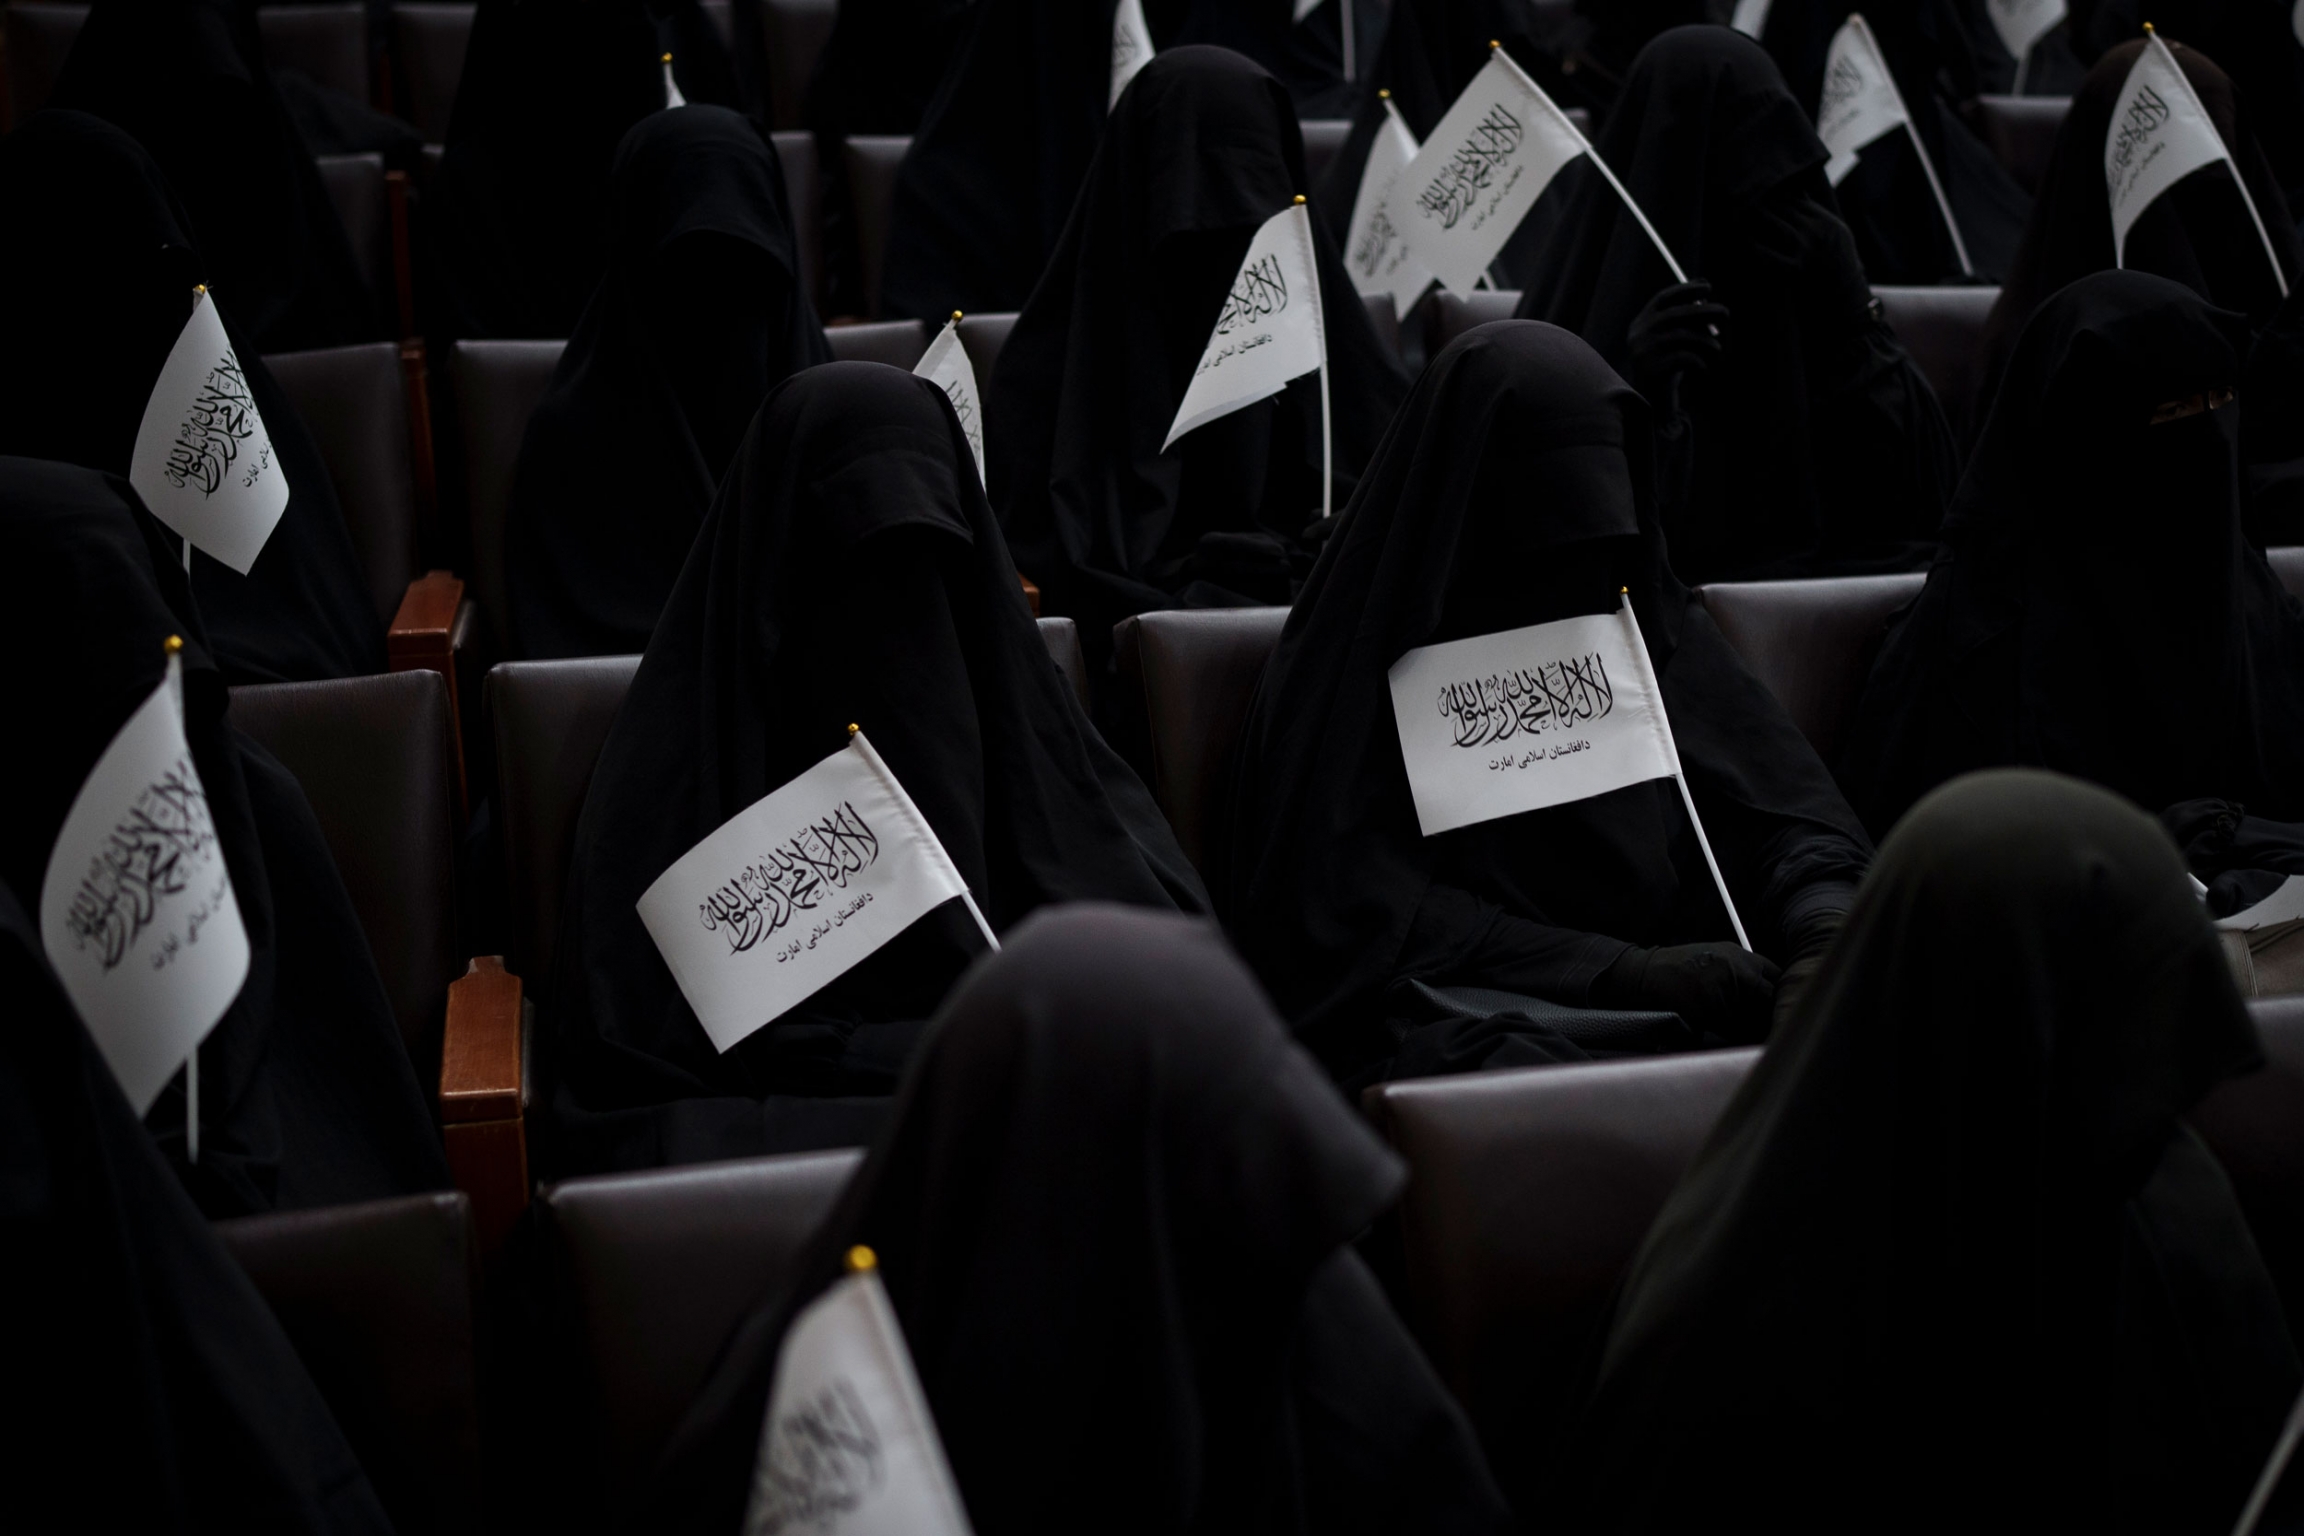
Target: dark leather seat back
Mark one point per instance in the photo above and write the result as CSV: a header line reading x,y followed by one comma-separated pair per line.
x,y
2287,562
428,40
35,38
1453,316
375,758
1943,329
1062,637
378,1299
795,31
351,401
1323,138
898,343
2255,1126
647,1273
550,718
803,190
363,206
1812,642
983,336
871,161
327,42
1197,670
2022,133
498,386
1528,1194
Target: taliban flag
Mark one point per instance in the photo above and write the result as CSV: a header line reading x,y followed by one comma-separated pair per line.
x,y
2161,134
946,365
203,462
1374,248
796,890
137,912
849,1447
1860,104
1526,719
2021,24
1131,47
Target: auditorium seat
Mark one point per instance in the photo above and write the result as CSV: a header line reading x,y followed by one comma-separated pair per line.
x,y
2021,131
1323,138
898,343
363,203
428,40
329,43
379,1301
1062,637
35,38
1943,329
374,757
497,385
1812,642
793,32
642,1277
984,335
1451,315
803,191
871,161
1189,675
2287,562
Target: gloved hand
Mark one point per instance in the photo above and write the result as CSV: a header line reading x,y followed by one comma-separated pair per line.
x,y
1815,944
1717,989
1680,331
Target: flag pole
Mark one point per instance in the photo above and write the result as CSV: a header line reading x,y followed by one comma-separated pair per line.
x,y
1327,450
2023,61
173,649
1345,20
1496,47
1912,130
1679,775
2247,201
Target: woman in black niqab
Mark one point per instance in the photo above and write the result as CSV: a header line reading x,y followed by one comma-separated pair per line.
x,y
2097,607
186,79
1796,437
849,572
518,210
700,315
1950,1249
1114,1212
1513,490
103,262
1201,151
131,1317
308,1095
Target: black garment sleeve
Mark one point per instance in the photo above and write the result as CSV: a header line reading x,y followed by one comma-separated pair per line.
x,y
1459,939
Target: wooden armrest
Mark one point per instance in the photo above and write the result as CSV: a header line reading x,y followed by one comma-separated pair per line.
x,y
1031,594
481,1092
423,638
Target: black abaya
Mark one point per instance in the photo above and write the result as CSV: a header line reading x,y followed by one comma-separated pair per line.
x,y
701,313
307,1093
2097,608
848,572
186,79
1950,1258
1512,490
519,208
1814,445
1113,1213
1200,152
103,259
156,1390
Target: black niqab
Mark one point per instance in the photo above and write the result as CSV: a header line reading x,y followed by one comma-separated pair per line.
x,y
1200,152
1949,1249
2097,607
1112,1212
103,261
307,1093
700,315
186,79
518,211
158,1392
1512,490
848,572
1814,446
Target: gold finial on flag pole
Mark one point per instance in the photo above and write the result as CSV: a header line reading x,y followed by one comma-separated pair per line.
x,y
1493,45
956,317
853,728
665,60
862,1260
1383,95
1299,200
171,645
199,288
2147,26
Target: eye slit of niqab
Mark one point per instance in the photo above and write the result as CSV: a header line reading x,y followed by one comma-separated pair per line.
x,y
2193,405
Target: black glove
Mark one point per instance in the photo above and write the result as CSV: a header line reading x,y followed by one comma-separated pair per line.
x,y
1717,989
1815,944
1682,330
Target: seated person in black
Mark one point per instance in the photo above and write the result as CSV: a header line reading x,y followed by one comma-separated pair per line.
x,y
1511,491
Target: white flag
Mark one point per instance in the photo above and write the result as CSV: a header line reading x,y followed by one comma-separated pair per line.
x,y
2161,134
137,912
1374,248
946,365
2022,23
1479,172
1269,330
672,96
2284,905
1860,101
1305,8
795,890
849,1447
203,462
1131,46
1750,17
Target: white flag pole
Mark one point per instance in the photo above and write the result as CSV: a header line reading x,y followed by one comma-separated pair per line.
x,y
1679,775
2153,40
1345,21
174,646
1912,130
1327,450
2023,61
927,833
1497,48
